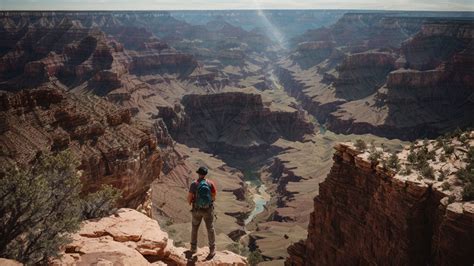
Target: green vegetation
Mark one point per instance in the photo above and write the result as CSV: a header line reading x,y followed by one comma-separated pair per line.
x,y
393,162
255,257
406,170
237,248
101,203
439,142
427,171
442,158
41,206
442,175
419,159
448,149
464,139
360,145
375,156
467,176
445,185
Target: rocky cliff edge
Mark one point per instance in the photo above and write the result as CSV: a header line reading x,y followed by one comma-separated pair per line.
x,y
131,238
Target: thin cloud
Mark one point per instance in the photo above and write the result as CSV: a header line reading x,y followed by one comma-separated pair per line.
x,y
457,5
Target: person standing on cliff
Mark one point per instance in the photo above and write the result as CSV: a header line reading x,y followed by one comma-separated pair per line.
x,y
201,196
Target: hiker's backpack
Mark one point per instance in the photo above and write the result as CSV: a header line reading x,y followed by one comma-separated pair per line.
x,y
203,194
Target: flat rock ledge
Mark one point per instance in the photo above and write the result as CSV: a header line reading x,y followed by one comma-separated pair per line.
x,y
131,238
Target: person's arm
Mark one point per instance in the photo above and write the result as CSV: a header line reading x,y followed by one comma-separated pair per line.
x,y
190,198
213,191
192,190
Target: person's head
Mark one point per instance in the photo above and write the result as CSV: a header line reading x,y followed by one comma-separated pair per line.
x,y
202,172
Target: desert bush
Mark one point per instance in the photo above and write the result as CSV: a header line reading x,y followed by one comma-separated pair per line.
x,y
375,156
412,157
442,175
360,145
38,208
463,139
237,248
467,175
101,203
406,170
457,132
445,185
439,142
427,171
393,162
448,149
468,191
442,158
255,257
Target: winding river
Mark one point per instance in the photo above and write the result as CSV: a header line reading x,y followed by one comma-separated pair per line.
x,y
260,198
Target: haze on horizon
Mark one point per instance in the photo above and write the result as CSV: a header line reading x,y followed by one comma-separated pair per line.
x,y
428,5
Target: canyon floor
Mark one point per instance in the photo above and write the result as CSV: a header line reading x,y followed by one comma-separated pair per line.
x,y
145,98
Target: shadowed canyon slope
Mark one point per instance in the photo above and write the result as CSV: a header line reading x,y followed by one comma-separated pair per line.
x,y
144,98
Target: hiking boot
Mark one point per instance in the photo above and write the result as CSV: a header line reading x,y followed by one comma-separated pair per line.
x,y
212,253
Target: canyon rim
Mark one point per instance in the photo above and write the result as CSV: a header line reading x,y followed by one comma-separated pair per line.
x,y
335,137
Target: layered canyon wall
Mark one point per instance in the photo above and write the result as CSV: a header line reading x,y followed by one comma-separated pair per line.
x,y
234,121
112,148
387,74
367,214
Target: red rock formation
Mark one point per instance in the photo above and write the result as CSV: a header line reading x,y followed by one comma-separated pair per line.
x,y
112,149
166,61
367,215
236,121
398,90
436,42
409,78
67,47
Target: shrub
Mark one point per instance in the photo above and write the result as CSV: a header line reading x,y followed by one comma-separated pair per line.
x,y
101,203
448,149
442,175
412,157
237,248
442,158
451,199
406,170
457,133
439,142
468,191
445,185
427,171
463,139
467,176
360,145
393,162
39,207
255,257
375,156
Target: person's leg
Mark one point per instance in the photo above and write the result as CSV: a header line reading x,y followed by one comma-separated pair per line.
x,y
196,221
211,234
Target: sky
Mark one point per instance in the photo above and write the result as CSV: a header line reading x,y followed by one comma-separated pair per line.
x,y
432,5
